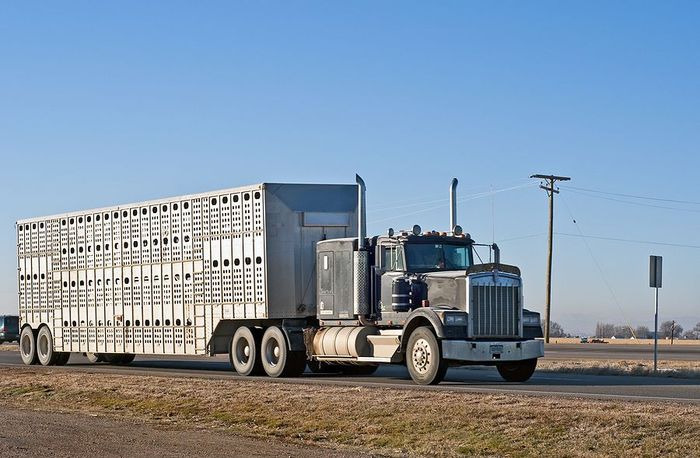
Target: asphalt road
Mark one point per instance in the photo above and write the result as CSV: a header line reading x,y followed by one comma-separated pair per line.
x,y
477,379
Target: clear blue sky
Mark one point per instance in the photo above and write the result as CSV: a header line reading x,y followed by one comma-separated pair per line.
x,y
112,103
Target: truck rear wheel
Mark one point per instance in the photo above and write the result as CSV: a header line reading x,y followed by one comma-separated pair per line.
x,y
423,357
27,346
244,353
277,359
44,347
518,371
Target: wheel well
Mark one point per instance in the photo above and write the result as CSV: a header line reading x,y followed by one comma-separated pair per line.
x,y
412,326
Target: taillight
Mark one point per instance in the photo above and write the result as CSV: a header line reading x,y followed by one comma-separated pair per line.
x,y
3,329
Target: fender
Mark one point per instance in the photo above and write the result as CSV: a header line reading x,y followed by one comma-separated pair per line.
x,y
418,318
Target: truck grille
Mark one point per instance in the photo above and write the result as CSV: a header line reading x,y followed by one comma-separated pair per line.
x,y
495,311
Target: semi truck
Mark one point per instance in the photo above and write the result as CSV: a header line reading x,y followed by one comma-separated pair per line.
x,y
277,276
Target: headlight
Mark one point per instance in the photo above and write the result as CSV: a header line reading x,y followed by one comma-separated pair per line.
x,y
531,319
455,319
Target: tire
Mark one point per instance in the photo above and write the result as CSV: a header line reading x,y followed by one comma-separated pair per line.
x,y
27,348
277,359
63,358
519,371
45,349
244,352
424,357
126,359
94,357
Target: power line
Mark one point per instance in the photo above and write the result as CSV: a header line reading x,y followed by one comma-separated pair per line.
x,y
600,269
643,242
638,204
407,203
444,203
659,199
521,237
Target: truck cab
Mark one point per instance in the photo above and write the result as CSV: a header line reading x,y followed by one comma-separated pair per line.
x,y
418,298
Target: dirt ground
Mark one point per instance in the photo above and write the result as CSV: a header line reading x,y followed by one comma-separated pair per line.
x,y
161,413
27,433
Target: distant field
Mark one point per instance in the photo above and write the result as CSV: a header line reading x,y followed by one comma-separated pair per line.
x,y
386,421
561,340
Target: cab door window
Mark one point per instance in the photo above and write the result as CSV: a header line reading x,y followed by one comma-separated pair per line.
x,y
392,258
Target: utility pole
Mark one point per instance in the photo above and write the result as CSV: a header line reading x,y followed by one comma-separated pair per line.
x,y
673,330
549,181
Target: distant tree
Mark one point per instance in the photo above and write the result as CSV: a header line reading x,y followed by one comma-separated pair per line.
x,y
622,332
642,332
604,330
665,330
556,330
692,333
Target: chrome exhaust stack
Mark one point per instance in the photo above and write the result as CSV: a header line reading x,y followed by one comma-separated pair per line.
x,y
453,204
361,212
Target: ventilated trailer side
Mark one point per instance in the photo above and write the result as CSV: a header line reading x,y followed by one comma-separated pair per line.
x,y
160,277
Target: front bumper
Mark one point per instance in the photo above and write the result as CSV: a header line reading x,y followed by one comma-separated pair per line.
x,y
492,352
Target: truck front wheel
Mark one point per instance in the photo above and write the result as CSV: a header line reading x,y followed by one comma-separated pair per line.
x,y
519,371
423,357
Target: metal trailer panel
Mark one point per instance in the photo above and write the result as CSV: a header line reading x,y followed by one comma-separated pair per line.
x,y
159,276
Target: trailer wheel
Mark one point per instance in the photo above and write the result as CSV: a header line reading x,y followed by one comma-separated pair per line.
x,y
277,359
519,371
244,352
126,359
44,347
27,346
424,358
94,357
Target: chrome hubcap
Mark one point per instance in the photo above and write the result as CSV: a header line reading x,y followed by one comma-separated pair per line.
x,y
26,346
421,357
242,352
272,352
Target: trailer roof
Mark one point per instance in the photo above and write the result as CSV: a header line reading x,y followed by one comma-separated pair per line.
x,y
253,187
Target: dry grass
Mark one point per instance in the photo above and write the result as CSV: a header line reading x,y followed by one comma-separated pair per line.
x,y
676,369
9,347
379,420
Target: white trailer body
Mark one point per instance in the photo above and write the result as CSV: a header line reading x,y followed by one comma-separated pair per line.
x,y
159,277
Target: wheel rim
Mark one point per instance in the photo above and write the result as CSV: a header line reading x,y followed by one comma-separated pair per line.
x,y
43,346
26,346
242,351
272,352
421,356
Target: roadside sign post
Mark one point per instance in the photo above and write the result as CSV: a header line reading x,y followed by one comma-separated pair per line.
x,y
655,282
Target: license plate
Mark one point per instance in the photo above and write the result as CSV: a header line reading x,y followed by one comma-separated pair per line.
x,y
496,349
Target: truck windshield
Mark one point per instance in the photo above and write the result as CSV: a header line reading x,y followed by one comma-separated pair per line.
x,y
437,256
